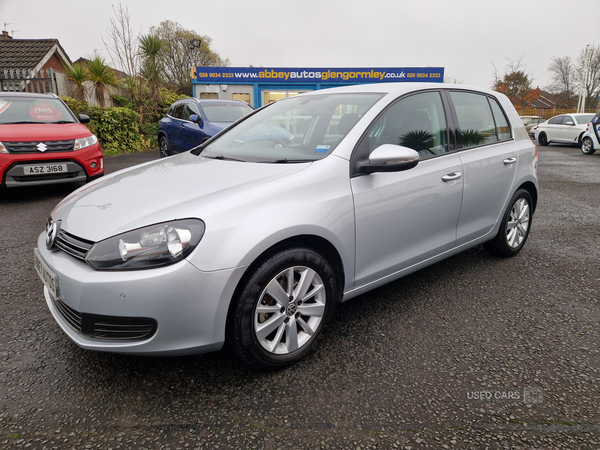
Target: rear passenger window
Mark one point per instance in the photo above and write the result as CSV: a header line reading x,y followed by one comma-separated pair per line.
x,y
502,128
480,119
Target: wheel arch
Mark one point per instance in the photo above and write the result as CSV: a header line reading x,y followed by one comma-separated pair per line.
x,y
533,192
313,242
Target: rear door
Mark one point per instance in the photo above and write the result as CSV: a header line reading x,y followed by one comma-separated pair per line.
x,y
489,158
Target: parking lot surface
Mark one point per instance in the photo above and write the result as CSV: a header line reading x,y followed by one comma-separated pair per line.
x,y
473,352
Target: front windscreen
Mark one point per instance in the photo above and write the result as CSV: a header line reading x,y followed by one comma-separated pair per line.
x,y
18,110
226,112
296,129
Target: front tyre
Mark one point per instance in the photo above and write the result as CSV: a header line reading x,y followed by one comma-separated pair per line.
x,y
282,309
515,226
587,146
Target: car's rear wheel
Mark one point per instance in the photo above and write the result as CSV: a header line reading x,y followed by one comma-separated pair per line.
x,y
163,143
542,139
515,226
587,146
282,308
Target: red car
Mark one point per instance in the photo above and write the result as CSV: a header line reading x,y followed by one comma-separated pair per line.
x,y
43,142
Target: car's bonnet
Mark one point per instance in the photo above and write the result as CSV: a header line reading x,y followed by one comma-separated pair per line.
x,y
43,131
173,188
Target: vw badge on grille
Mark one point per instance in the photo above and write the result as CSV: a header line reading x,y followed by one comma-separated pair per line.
x,y
51,234
41,147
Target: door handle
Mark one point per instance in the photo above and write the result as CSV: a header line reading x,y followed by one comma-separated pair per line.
x,y
509,161
452,176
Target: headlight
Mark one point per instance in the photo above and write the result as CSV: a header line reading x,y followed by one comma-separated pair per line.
x,y
145,248
85,142
3,148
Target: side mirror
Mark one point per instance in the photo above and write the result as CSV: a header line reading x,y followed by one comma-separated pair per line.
x,y
196,119
569,123
391,158
83,118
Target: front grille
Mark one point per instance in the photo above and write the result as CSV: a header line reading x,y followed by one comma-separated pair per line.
x,y
71,316
32,147
107,328
73,245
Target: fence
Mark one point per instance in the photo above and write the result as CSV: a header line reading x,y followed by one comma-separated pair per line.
x,y
49,81
548,113
23,80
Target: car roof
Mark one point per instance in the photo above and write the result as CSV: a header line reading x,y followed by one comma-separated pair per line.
x,y
400,88
211,101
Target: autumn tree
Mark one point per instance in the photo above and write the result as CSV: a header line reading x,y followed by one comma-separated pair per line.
x,y
177,57
516,84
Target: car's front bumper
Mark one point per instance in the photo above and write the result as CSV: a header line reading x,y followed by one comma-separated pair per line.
x,y
189,306
82,165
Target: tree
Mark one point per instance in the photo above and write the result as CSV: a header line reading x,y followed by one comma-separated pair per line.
x,y
177,57
122,42
516,84
564,81
78,75
101,77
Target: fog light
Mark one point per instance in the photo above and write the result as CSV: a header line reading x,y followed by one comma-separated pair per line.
x,y
93,165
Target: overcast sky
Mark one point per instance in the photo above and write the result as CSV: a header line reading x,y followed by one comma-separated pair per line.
x,y
466,37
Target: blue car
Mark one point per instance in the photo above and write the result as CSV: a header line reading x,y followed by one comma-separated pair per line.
x,y
191,121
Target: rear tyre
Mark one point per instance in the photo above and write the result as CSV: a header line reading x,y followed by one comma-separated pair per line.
x,y
542,139
163,143
282,309
515,226
587,146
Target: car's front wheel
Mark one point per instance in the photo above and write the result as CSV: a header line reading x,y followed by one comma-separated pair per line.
x,y
587,146
163,143
281,310
515,226
542,139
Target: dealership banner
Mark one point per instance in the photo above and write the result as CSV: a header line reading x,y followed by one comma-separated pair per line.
x,y
312,75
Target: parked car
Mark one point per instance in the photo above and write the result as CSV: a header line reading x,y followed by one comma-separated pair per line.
x,y
191,121
43,142
591,138
264,238
565,129
531,121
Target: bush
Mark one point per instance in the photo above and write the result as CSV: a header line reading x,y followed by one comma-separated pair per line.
x,y
117,128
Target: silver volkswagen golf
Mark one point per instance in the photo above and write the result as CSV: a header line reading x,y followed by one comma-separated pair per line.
x,y
253,240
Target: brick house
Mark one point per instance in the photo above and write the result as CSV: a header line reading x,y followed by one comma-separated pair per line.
x,y
31,54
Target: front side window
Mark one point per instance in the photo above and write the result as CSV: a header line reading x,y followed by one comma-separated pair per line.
x,y
19,110
189,109
417,122
480,119
296,129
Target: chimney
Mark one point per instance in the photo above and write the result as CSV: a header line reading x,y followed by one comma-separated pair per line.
x,y
5,35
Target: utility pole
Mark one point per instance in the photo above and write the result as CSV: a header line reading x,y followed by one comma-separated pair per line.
x,y
586,77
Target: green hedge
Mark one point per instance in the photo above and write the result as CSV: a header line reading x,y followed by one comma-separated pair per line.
x,y
117,129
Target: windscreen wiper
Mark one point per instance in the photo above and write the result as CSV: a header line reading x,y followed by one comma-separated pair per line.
x,y
224,158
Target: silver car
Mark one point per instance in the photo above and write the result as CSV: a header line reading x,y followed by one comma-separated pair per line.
x,y
253,240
